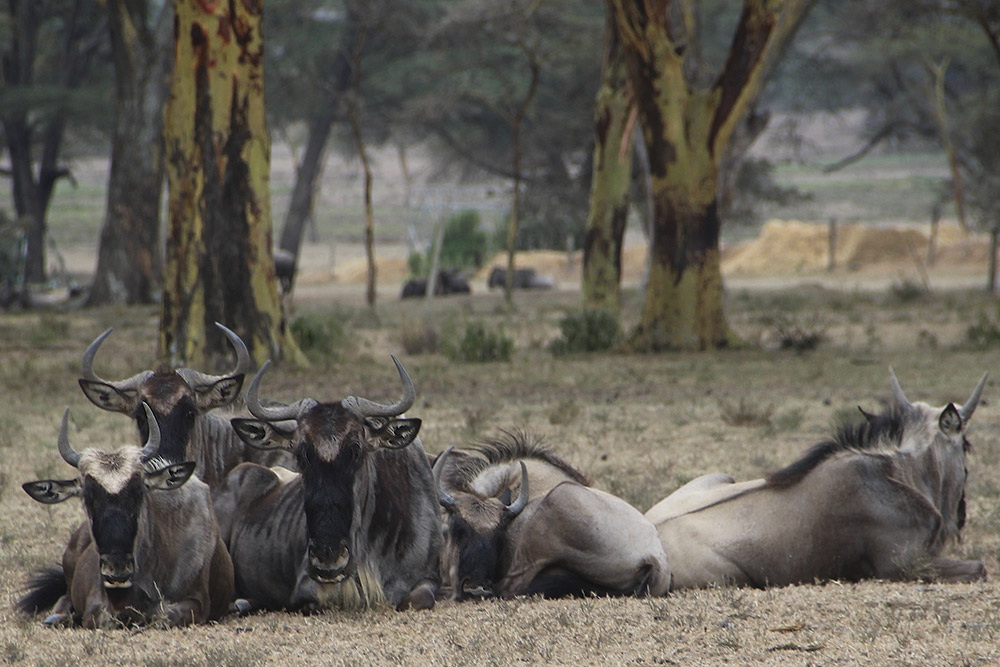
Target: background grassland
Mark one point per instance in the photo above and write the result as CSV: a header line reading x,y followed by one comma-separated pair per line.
x,y
640,425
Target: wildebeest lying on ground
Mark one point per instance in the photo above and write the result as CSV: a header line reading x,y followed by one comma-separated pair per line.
x,y
448,282
181,401
155,553
359,525
560,537
523,279
879,500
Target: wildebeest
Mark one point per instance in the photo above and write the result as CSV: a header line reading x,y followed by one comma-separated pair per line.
x,y
523,279
359,524
155,553
559,537
181,401
448,282
881,499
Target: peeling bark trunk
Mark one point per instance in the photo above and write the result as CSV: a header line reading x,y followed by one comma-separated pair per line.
x,y
219,265
610,182
129,262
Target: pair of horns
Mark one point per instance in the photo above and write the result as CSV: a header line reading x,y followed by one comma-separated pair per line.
x,y
447,500
361,407
194,378
149,450
965,411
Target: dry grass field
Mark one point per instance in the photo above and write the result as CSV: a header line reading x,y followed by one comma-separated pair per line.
x,y
640,425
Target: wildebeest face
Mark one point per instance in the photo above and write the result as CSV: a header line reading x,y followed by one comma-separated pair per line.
x,y
475,533
113,486
331,446
176,397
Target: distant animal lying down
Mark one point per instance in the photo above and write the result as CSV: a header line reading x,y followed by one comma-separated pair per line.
x,y
156,553
448,282
523,279
559,537
881,499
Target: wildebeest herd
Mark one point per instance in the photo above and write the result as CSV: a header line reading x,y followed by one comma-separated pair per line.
x,y
314,505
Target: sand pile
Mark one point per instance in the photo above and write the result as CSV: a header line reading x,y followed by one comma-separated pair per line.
x,y
791,247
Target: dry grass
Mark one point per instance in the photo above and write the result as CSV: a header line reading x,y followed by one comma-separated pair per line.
x,y
639,425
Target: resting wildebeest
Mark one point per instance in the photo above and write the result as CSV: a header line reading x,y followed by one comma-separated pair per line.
x,y
359,525
560,537
448,282
155,553
523,279
181,401
880,500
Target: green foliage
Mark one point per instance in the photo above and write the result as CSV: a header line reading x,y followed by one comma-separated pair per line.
x,y
755,189
983,334
588,330
463,244
479,344
321,336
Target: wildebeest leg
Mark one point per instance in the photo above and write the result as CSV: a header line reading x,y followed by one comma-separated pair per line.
x,y
62,611
595,536
220,581
955,570
421,597
671,503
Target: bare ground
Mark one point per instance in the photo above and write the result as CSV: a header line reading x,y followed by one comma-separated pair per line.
x,y
640,425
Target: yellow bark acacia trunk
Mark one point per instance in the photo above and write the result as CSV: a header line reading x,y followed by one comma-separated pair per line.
x,y
219,265
610,181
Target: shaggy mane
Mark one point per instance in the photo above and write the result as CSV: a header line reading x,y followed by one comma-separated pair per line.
x,y
510,446
884,430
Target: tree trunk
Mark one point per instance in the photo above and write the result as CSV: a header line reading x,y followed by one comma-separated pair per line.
x,y
610,182
129,263
687,129
219,265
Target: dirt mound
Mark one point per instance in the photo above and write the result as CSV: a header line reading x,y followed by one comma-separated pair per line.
x,y
792,247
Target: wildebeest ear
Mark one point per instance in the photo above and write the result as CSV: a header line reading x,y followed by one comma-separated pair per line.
x,y
398,433
169,477
950,421
107,397
219,393
261,434
507,496
52,491
869,417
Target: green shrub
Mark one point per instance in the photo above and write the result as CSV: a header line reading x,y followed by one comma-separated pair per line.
x,y
479,344
591,330
984,333
320,336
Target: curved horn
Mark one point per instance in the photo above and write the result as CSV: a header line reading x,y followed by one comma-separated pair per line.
x,y
244,364
897,392
362,407
271,413
152,445
522,498
70,455
444,497
87,368
970,405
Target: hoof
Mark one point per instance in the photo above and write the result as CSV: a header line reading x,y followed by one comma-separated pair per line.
x,y
243,607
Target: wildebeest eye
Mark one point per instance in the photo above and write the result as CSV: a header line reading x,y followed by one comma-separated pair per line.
x,y
966,445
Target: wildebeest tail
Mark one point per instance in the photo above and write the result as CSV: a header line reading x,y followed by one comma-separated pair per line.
x,y
42,590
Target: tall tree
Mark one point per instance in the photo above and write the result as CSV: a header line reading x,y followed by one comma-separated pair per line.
x,y
40,89
610,183
219,264
688,121
129,263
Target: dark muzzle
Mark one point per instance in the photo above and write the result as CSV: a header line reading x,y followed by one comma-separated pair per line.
x,y
330,565
117,570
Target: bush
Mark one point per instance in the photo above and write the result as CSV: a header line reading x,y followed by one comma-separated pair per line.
x,y
591,330
320,336
983,334
799,332
478,344
420,338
